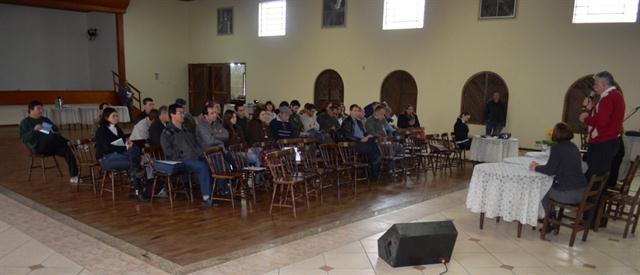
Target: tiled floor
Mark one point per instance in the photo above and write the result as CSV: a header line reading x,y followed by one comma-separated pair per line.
x,y
31,243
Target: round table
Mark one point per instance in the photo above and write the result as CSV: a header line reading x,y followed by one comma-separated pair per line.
x,y
489,149
509,191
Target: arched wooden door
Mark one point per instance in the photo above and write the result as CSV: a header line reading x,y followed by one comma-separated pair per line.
x,y
478,91
399,90
573,100
328,88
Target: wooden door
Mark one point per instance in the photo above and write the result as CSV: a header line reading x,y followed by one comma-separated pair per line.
x,y
329,88
221,82
199,87
478,91
399,90
573,99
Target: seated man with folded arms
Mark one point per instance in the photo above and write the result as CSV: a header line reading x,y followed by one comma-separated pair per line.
x,y
179,144
353,130
42,137
158,125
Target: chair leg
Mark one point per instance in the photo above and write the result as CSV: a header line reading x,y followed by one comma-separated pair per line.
x,y
545,223
170,191
519,229
481,220
273,197
630,218
30,169
293,200
599,214
636,215
306,194
113,187
93,181
44,175
104,177
153,188
55,160
230,187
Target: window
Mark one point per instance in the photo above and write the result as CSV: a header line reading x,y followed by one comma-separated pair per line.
x,y
478,91
605,11
403,14
272,18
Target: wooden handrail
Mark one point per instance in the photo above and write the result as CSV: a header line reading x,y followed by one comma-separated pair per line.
x,y
136,94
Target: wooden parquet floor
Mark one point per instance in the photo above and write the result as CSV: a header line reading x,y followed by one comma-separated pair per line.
x,y
190,233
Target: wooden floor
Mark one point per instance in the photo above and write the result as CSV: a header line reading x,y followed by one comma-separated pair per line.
x,y
191,233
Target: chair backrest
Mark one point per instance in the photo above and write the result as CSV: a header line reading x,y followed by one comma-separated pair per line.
x,y
84,150
238,154
288,142
309,157
631,173
330,155
348,152
152,153
593,191
215,159
277,163
266,145
386,147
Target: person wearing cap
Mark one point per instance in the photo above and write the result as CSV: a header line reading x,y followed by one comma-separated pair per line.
x,y
281,127
189,123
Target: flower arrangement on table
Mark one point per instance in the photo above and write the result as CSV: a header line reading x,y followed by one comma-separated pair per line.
x,y
546,143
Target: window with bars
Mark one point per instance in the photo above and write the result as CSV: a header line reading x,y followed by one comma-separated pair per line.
x,y
403,14
272,18
605,11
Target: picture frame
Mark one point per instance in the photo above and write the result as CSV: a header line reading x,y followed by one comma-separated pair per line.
x,y
225,21
497,9
334,13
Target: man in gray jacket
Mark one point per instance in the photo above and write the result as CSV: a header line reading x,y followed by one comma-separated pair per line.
x,y
377,123
209,131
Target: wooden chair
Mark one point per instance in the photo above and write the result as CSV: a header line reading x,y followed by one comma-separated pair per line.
x,y
84,150
284,182
266,145
588,202
221,171
459,154
308,169
289,142
439,152
618,200
392,158
349,157
113,174
39,161
426,160
172,186
249,173
332,160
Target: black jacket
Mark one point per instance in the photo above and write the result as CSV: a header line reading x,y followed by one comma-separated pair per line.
x,y
565,164
403,121
179,144
347,129
327,122
461,130
155,131
496,112
104,137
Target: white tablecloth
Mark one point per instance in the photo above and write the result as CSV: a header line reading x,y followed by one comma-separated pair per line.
x,y
492,149
509,191
84,114
631,151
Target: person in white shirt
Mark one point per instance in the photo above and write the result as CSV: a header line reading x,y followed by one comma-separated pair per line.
x,y
140,132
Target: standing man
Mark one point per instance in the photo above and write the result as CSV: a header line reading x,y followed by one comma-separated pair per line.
x,y
495,115
604,121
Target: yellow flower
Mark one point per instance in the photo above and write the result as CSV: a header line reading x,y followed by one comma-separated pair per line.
x,y
549,132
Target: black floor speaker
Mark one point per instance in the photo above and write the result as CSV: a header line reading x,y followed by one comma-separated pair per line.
x,y
409,244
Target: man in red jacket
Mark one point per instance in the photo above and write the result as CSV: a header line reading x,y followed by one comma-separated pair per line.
x,y
605,124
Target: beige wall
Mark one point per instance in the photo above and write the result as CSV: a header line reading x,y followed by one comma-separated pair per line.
x,y
156,37
539,54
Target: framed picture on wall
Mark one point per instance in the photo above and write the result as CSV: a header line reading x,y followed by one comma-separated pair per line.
x,y
333,13
225,21
497,9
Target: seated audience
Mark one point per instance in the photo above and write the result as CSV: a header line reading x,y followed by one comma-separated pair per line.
x,y
370,108
241,115
376,125
258,128
408,119
390,117
189,121
140,132
295,117
209,131
565,164
353,130
328,120
41,135
230,123
179,144
461,131
115,152
270,109
281,128
147,106
308,119
158,125
342,115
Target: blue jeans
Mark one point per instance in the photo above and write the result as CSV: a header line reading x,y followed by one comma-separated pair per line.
x,y
128,161
493,128
201,169
370,149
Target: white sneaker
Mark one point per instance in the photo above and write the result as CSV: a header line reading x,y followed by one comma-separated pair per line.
x,y
162,193
75,180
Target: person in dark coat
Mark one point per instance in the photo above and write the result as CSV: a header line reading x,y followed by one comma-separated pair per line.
x,y
495,115
461,131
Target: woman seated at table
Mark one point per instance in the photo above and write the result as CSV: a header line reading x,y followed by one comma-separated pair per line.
x,y
114,152
565,164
